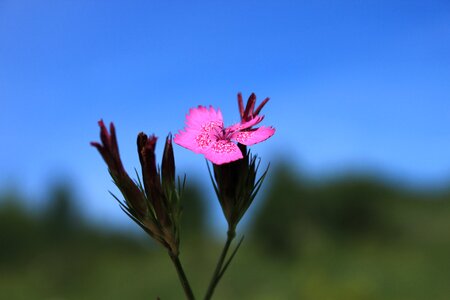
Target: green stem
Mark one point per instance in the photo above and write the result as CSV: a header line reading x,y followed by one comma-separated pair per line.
x,y
182,276
217,272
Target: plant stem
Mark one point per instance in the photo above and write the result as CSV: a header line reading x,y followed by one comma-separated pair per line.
x,y
217,272
182,276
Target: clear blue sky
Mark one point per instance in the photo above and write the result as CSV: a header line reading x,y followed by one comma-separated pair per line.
x,y
354,84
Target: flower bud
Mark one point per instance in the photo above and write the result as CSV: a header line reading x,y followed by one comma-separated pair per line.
x,y
109,150
249,112
168,165
147,203
236,186
150,176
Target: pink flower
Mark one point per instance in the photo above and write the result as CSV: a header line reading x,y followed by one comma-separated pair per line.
x,y
205,134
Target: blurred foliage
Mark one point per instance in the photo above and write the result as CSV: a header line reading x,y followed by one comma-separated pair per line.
x,y
349,237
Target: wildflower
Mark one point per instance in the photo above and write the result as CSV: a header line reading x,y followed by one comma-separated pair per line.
x,y
205,134
236,183
234,168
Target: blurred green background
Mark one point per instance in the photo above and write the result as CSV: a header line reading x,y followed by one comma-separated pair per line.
x,y
353,236
357,201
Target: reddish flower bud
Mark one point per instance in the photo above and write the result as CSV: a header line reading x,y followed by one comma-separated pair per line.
x,y
109,150
146,150
151,178
168,165
155,209
250,112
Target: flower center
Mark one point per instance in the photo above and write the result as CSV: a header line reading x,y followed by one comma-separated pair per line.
x,y
210,130
223,146
203,140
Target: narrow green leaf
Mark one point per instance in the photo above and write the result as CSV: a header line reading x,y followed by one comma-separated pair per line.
x,y
225,267
216,189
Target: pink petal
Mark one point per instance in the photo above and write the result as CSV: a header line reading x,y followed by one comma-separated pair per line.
x,y
201,118
202,126
245,125
251,137
222,152
192,140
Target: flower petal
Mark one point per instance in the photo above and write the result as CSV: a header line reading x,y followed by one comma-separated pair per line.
x,y
196,141
202,126
201,118
251,137
223,151
246,124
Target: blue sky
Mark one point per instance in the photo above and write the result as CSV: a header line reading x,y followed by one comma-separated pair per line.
x,y
353,84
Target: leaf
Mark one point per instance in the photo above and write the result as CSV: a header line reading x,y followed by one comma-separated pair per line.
x,y
225,267
216,189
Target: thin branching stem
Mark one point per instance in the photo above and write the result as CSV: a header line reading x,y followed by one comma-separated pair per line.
x,y
217,275
182,276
